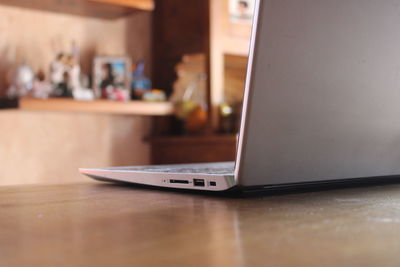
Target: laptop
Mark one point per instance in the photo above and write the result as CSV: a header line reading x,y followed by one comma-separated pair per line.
x,y
321,102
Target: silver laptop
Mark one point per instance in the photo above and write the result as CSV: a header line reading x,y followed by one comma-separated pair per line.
x,y
321,104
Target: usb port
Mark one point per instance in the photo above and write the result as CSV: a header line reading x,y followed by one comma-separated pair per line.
x,y
199,182
174,181
212,183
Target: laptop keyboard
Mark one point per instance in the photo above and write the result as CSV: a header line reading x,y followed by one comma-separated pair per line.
x,y
226,168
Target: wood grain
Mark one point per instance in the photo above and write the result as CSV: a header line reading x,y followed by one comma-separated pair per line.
x,y
106,225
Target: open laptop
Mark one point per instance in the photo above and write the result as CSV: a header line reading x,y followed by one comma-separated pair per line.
x,y
321,104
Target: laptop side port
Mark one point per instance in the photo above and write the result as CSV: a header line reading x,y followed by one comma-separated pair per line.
x,y
199,182
175,181
212,183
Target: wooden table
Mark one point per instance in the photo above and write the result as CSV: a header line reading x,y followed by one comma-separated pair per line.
x,y
110,225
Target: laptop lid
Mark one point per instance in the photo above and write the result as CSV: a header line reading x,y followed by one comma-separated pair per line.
x,y
322,99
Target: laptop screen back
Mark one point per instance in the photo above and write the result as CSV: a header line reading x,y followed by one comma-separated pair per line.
x,y
324,95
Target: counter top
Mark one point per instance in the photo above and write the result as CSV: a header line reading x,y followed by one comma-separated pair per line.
x,y
113,225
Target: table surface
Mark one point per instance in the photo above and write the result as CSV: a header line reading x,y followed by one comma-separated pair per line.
x,y
113,225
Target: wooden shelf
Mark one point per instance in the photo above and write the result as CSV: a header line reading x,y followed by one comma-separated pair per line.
x,y
136,4
105,9
98,106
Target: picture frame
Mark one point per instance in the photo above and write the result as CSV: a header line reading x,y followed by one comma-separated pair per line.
x,y
112,77
241,11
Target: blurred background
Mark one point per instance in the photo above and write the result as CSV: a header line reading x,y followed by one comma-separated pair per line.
x,y
95,83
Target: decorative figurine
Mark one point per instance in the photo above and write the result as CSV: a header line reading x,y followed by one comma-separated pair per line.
x,y
79,92
57,69
21,82
63,89
74,70
140,84
41,88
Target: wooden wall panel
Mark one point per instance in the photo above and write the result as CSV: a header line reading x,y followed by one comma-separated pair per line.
x,y
138,38
49,147
180,27
235,68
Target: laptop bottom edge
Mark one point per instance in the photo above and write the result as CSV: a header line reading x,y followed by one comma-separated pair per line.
x,y
276,189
